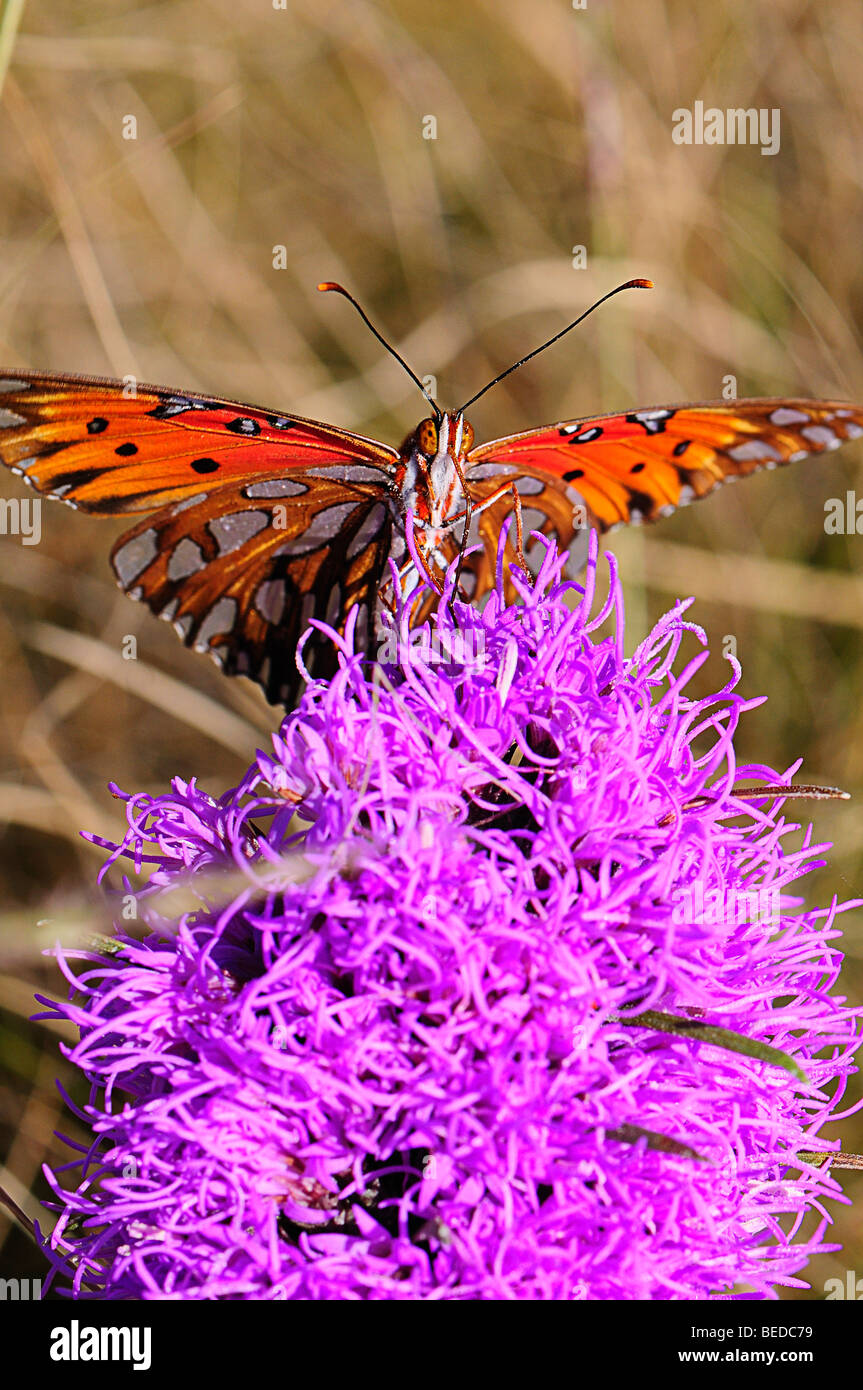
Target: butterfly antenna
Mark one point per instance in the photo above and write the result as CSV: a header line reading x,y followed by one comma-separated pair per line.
x,y
340,289
630,285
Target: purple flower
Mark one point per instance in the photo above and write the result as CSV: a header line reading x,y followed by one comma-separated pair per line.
x,y
484,983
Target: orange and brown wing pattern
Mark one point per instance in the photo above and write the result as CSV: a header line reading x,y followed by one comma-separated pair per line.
x,y
641,465
261,521
110,447
241,573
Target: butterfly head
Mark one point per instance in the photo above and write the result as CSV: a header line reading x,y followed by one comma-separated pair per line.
x,y
431,476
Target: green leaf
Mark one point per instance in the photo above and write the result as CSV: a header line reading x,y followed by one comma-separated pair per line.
x,y
710,1033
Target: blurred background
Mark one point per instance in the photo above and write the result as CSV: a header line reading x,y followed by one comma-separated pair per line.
x,y
477,174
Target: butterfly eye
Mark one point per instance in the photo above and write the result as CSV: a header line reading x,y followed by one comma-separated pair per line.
x,y
467,437
427,438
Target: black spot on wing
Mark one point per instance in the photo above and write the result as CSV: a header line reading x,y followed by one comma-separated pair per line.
x,y
651,421
680,449
126,450
573,475
640,503
243,425
78,477
177,405
97,425
204,465
638,468
575,435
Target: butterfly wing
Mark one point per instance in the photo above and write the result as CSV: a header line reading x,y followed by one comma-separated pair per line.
x,y
637,467
97,447
241,573
262,521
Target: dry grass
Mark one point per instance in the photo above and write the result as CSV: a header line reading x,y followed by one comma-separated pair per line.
x,y
258,127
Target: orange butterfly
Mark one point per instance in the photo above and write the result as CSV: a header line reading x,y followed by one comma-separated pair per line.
x,y
258,521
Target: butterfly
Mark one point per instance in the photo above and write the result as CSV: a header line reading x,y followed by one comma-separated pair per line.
x,y
256,521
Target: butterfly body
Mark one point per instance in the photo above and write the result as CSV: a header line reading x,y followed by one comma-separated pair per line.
x,y
253,522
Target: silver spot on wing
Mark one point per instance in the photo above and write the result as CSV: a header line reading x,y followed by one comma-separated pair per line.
x,y
490,470
186,558
369,528
275,487
8,420
754,449
784,415
529,487
230,532
821,436
349,473
307,611
220,619
270,600
361,631
323,527
12,383
532,519
133,558
334,605
190,502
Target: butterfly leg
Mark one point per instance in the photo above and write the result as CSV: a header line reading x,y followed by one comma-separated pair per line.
x,y
468,517
472,509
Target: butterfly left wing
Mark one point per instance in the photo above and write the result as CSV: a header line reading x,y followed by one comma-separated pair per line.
x,y
262,521
241,574
640,466
110,447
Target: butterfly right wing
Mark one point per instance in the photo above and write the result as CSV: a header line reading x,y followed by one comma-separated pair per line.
x,y
640,465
